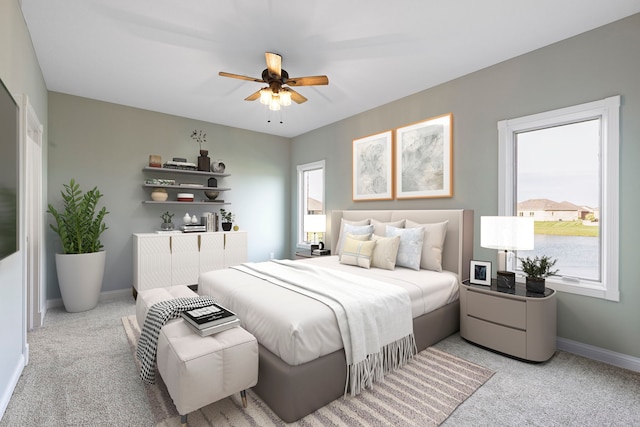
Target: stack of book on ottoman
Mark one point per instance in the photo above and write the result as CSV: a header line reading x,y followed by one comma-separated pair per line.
x,y
210,319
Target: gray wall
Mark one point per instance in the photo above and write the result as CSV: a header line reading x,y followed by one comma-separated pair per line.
x,y
107,145
20,72
591,66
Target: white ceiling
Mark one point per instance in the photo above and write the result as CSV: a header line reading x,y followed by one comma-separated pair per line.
x,y
165,55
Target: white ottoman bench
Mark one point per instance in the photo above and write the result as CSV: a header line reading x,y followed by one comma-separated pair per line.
x,y
200,370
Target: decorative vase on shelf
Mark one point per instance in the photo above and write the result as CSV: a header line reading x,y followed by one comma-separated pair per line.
x,y
166,226
218,166
226,226
204,162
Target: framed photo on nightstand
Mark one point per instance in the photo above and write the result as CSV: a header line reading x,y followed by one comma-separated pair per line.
x,y
480,272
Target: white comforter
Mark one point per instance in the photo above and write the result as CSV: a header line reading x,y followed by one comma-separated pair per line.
x,y
299,329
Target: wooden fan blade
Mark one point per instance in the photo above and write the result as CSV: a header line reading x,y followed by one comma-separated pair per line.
x,y
296,97
274,63
308,81
238,76
253,96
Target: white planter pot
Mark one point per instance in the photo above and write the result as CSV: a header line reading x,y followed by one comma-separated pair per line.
x,y
80,279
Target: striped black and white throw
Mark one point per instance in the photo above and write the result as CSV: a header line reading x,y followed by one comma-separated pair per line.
x,y
159,314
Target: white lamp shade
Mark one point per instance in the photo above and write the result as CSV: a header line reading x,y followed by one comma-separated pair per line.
x,y
315,223
509,233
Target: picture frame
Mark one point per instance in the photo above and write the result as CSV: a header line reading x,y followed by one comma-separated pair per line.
x,y
373,167
480,273
424,159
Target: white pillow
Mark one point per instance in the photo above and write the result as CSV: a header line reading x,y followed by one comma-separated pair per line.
x,y
385,252
356,230
357,252
433,245
380,228
410,247
342,235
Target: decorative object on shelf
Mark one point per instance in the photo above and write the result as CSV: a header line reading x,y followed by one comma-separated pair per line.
x,y
174,164
166,221
156,181
506,233
212,182
211,195
194,219
204,163
155,161
185,197
186,218
218,166
159,195
236,228
226,219
80,267
536,270
480,273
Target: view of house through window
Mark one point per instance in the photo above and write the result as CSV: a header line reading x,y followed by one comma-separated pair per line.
x,y
558,184
311,199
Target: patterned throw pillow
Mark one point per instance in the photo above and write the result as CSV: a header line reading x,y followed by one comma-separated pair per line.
x,y
356,230
410,248
357,252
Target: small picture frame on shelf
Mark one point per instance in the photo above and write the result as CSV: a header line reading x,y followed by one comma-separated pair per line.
x,y
480,272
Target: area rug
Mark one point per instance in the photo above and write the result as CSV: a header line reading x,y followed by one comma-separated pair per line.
x,y
423,393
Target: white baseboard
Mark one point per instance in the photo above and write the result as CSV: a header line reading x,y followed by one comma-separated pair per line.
x,y
600,354
104,296
5,395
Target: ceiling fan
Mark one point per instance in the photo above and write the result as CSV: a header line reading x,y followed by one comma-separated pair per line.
x,y
276,94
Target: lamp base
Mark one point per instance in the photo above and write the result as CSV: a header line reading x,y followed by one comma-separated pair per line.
x,y
506,279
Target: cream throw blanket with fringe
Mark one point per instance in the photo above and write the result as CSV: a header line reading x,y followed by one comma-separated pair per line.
x,y
374,317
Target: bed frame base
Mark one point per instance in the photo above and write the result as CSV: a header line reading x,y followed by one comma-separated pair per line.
x,y
293,392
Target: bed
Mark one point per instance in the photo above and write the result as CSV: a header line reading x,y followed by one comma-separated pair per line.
x,y
294,378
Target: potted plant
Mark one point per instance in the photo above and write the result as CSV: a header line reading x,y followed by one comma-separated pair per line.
x,y
226,219
536,270
80,266
167,225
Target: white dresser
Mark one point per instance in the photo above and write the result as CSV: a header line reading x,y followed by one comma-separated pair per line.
x,y
161,260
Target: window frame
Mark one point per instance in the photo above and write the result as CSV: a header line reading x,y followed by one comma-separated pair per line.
x,y
301,208
608,111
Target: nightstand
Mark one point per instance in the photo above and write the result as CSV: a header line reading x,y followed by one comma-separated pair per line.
x,y
301,254
511,321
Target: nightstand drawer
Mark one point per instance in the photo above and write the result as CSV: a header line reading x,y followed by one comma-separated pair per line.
x,y
493,308
500,338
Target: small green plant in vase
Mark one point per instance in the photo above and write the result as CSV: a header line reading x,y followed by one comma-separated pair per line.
x,y
167,224
537,269
226,219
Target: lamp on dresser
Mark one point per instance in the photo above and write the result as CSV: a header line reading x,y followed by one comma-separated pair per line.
x,y
506,233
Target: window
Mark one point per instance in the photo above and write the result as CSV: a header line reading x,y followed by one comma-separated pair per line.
x,y
310,198
561,168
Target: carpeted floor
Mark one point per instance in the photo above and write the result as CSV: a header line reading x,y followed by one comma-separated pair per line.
x,y
423,393
81,372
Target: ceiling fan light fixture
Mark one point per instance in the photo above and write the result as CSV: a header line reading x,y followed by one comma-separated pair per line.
x,y
274,104
265,96
285,98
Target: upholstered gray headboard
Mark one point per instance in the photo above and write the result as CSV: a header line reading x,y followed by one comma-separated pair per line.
x,y
458,244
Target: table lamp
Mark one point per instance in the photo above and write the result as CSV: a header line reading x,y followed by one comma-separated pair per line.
x,y
315,224
506,233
